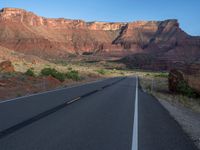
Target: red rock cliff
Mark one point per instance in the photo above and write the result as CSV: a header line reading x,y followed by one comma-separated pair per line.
x,y
28,33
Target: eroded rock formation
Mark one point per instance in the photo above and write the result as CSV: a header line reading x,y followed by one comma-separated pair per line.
x,y
162,43
6,66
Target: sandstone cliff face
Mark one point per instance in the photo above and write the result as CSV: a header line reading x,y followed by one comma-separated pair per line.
x,y
29,18
26,32
137,34
55,38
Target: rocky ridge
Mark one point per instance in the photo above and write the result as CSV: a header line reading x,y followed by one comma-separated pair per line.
x,y
164,41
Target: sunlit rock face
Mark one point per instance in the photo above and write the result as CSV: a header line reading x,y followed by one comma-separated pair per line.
x,y
29,18
105,26
26,32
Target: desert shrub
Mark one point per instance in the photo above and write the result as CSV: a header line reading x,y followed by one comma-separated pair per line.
x,y
122,73
147,74
30,72
184,89
101,71
87,53
69,68
48,71
54,73
73,74
60,76
162,75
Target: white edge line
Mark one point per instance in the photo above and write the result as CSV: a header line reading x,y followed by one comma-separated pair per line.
x,y
59,89
135,123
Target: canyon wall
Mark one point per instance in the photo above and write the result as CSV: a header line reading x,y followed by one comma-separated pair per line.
x,y
146,44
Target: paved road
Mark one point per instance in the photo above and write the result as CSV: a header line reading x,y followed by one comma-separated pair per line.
x,y
100,120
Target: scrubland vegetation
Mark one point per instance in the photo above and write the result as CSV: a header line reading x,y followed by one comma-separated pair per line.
x,y
157,85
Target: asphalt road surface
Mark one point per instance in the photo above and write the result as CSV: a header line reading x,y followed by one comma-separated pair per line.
x,y
114,115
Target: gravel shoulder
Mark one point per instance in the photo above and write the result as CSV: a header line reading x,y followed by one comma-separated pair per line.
x,y
189,120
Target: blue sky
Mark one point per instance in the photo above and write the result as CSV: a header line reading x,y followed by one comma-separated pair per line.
x,y
186,11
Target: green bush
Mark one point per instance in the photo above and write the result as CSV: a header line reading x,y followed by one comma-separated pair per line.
x,y
30,72
162,75
147,74
102,71
184,89
48,71
87,53
54,73
60,76
69,68
73,74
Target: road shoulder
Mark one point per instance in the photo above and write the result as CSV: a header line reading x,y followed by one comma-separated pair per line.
x,y
189,120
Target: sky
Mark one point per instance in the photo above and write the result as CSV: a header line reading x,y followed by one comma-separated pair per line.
x,y
186,11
